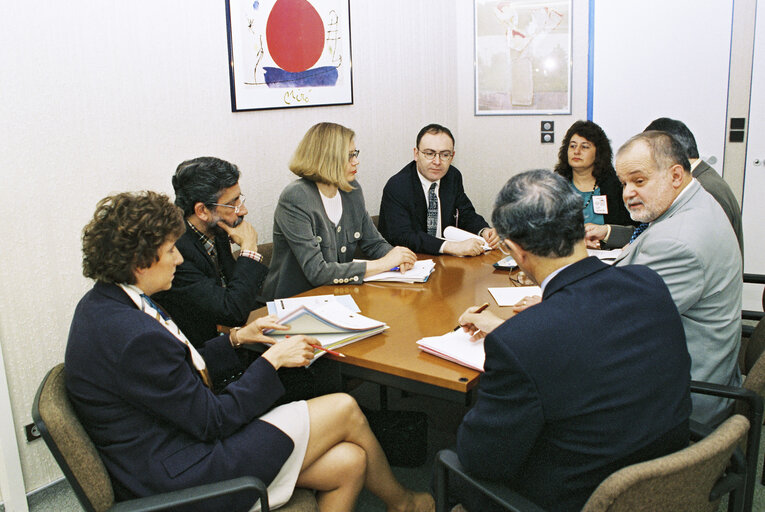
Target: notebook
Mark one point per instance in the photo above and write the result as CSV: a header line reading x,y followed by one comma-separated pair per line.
x,y
455,346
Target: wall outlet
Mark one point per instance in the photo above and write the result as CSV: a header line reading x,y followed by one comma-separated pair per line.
x,y
32,432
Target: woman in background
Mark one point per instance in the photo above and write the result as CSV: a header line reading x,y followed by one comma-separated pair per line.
x,y
142,391
585,159
321,219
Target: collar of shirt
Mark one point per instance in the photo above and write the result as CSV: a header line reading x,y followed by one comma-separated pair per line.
x,y
207,242
550,276
695,164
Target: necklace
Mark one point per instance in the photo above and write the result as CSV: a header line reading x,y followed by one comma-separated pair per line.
x,y
590,198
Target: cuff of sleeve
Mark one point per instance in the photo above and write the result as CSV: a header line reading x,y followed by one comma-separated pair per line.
x,y
608,233
251,254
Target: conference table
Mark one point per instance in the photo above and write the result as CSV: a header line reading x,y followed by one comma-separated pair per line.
x,y
413,311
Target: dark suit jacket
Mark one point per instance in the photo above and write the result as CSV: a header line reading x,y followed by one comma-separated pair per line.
x,y
617,212
719,189
563,403
155,424
198,301
404,212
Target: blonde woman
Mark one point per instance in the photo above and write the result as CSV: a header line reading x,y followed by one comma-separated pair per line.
x,y
321,219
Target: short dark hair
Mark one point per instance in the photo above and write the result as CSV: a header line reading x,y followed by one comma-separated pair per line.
x,y
679,131
202,180
539,211
602,166
434,129
665,150
126,233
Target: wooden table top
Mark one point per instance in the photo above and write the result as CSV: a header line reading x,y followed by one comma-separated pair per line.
x,y
414,311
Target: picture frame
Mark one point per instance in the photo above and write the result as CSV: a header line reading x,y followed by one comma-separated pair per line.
x,y
289,53
523,62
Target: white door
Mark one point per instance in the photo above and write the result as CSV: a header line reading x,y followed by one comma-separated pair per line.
x,y
662,59
753,207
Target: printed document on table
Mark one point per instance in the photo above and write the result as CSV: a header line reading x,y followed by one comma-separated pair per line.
x,y
453,234
510,295
281,307
605,256
418,274
324,319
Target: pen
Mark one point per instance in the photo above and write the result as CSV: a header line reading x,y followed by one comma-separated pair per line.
x,y
394,269
479,310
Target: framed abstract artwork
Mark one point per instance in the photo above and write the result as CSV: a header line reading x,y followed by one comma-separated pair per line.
x,y
522,57
289,53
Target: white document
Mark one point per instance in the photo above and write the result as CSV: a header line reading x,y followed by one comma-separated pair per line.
x,y
453,234
327,318
418,274
511,295
455,346
281,307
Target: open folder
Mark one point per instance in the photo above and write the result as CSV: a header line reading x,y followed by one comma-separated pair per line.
x,y
455,346
331,324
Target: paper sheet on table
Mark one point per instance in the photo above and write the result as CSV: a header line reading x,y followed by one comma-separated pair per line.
x,y
418,274
281,307
455,346
510,295
458,235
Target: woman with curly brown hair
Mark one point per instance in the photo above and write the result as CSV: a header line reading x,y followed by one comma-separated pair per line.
x,y
585,159
142,391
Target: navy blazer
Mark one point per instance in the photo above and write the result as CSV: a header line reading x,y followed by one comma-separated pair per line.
x,y
198,301
157,427
564,402
404,212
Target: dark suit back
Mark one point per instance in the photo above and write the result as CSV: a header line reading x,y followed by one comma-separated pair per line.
x,y
594,377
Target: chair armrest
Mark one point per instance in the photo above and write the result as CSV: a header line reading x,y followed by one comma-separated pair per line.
x,y
173,499
447,461
754,278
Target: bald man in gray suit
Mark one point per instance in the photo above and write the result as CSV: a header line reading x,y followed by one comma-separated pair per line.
x,y
687,239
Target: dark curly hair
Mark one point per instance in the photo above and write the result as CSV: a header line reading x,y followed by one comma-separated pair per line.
x,y
602,166
126,233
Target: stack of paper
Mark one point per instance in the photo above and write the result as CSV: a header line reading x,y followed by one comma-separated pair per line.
x,y
281,307
506,263
453,234
331,324
455,346
419,274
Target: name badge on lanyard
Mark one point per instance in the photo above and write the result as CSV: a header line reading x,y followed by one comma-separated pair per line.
x,y
599,205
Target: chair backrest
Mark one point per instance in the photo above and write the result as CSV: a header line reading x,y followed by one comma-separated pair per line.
x,y
70,445
676,482
754,365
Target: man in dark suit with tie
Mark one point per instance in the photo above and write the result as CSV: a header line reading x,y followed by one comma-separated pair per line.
x,y
210,287
593,378
427,196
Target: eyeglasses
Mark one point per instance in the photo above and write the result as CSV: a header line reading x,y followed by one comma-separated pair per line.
x,y
237,207
353,154
429,154
502,249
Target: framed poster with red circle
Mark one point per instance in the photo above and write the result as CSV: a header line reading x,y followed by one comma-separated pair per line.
x,y
289,53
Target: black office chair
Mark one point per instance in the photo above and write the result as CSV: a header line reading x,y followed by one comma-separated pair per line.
x,y
81,464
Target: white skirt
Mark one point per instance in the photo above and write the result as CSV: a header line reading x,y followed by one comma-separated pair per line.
x,y
293,420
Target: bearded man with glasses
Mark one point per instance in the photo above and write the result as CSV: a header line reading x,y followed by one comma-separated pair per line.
x,y
425,197
210,287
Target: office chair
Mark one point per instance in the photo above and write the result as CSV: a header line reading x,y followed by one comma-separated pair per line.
x,y
83,468
692,479
747,314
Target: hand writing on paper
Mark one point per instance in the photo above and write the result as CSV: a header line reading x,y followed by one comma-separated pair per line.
x,y
478,323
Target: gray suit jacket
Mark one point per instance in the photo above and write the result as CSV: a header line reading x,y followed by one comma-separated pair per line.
x,y
693,248
309,250
712,183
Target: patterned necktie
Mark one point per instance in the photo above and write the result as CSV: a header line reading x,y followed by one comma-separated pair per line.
x,y
639,229
432,210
